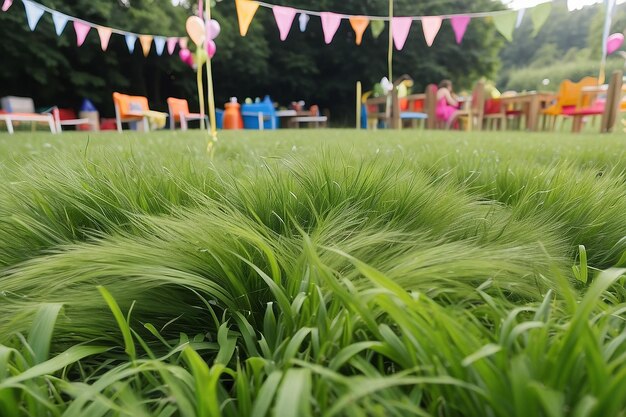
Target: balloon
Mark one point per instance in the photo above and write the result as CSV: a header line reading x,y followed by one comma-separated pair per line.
x,y
184,55
213,29
211,48
614,42
189,61
201,56
195,29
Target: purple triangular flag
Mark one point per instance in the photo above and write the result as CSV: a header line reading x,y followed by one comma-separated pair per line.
x,y
459,25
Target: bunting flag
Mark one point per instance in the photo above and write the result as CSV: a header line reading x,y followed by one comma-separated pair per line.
x,y
131,38
6,5
459,25
303,20
284,19
33,13
245,12
539,16
431,26
146,43
105,36
183,42
330,24
400,31
359,24
81,29
520,17
377,27
171,45
60,20
159,44
505,23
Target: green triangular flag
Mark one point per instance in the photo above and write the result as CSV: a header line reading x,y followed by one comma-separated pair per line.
x,y
505,23
377,27
539,15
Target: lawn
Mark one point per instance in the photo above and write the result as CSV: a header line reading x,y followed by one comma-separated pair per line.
x,y
313,273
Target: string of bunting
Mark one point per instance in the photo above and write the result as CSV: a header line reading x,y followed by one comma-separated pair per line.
x,y
505,21
34,12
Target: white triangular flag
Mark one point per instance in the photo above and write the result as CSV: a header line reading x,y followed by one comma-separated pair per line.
x,y
33,13
131,39
159,43
303,20
60,20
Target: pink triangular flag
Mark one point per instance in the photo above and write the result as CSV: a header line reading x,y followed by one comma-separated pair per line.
x,y
82,29
6,5
459,24
431,26
183,42
284,18
330,24
171,45
400,31
105,35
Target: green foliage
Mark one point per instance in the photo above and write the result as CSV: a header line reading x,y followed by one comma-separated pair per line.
x,y
369,274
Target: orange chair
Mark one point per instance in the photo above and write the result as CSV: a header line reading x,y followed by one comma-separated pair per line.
x,y
179,112
568,99
130,109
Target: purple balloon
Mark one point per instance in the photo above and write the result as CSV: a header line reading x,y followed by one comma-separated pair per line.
x,y
213,29
614,42
211,48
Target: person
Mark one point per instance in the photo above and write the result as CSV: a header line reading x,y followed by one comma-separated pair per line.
x,y
447,105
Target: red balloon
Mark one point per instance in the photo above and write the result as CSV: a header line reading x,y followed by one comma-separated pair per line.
x,y
211,48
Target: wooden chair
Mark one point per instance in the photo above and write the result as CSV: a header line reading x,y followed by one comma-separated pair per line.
x,y
473,116
608,109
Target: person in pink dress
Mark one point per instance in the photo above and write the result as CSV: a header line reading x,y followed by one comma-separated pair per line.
x,y
447,104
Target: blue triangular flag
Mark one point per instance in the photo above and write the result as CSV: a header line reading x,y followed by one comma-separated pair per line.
x,y
60,20
159,43
130,41
33,13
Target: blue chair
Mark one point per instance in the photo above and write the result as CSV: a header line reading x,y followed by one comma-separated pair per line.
x,y
259,115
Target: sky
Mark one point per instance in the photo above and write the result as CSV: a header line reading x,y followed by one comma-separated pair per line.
x,y
571,4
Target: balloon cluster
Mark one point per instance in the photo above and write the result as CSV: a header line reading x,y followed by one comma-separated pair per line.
x,y
198,32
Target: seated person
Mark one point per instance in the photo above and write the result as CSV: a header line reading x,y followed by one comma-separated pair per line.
x,y
447,104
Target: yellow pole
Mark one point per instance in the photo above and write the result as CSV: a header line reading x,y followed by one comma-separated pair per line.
x,y
200,90
390,53
358,105
211,97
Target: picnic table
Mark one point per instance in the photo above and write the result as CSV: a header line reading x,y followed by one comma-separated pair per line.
x,y
531,103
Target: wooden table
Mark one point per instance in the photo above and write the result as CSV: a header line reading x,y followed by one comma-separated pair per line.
x,y
532,103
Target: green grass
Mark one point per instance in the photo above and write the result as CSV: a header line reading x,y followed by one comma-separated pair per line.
x,y
313,272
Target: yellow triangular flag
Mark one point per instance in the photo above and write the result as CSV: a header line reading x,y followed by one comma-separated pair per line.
x,y
146,43
359,24
245,12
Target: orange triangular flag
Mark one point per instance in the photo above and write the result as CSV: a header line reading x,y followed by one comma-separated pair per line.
x,y
146,43
359,24
245,12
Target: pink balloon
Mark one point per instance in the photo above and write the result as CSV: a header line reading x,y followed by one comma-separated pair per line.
x,y
184,54
614,42
189,61
213,29
195,29
211,48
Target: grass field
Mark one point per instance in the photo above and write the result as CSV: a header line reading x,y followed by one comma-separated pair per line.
x,y
313,273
